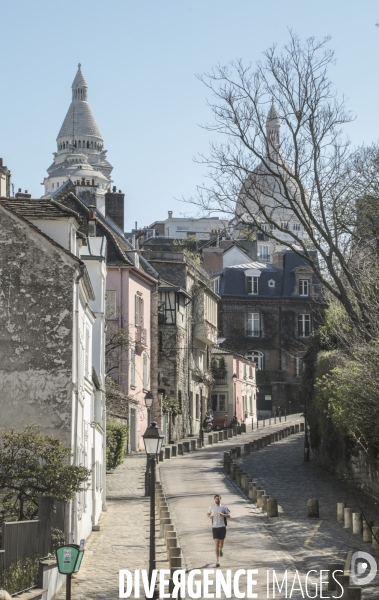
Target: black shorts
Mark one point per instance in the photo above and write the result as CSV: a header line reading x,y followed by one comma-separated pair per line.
x,y
219,533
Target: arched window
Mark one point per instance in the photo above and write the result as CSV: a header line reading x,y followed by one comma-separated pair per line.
x,y
87,144
257,357
79,144
74,143
64,146
91,144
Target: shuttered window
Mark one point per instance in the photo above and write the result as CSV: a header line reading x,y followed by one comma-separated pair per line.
x,y
110,305
132,367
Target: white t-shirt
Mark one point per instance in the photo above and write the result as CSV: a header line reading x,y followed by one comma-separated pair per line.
x,y
218,521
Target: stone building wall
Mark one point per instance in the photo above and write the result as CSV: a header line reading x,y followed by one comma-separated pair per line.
x,y
36,327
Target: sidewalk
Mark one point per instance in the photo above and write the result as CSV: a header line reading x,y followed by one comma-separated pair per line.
x,y
123,542
291,542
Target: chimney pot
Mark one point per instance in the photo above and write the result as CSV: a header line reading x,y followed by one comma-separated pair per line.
x,y
170,214
119,191
114,189
26,191
19,189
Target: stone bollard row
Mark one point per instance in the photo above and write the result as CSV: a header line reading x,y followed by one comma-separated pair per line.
x,y
358,524
168,533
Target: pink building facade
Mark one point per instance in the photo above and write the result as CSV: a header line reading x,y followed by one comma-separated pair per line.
x,y
130,294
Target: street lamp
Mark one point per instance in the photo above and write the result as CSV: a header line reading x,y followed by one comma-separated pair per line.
x,y
201,385
153,440
148,404
235,377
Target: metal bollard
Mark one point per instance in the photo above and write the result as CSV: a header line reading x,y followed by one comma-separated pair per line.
x,y
252,424
210,439
246,448
174,451
186,447
180,449
193,445
313,509
167,452
230,433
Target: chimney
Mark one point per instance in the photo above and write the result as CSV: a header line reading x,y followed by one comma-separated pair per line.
x,y
170,214
22,195
1,162
114,207
278,259
5,180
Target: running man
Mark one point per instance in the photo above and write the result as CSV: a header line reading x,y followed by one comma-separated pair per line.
x,y
218,513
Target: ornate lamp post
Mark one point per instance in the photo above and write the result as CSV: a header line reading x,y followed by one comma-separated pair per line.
x,y
153,440
148,404
235,377
201,385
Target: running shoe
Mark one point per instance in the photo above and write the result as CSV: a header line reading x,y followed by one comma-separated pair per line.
x,y
218,563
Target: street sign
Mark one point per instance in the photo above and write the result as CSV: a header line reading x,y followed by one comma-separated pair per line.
x,y
268,397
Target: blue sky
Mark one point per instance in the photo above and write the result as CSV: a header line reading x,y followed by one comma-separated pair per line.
x,y
140,59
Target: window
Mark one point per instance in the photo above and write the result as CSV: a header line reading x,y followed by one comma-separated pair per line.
x,y
139,316
304,328
257,357
296,226
87,353
110,304
284,225
201,360
220,402
244,370
197,406
216,285
298,366
145,382
263,252
210,310
252,285
304,287
132,367
253,324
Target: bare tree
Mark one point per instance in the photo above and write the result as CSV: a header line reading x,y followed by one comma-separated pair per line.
x,y
284,160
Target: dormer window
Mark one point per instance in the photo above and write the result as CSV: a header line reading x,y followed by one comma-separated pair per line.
x,y
303,287
296,227
216,285
252,285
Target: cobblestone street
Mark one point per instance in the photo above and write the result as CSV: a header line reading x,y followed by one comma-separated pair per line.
x,y
291,542
123,542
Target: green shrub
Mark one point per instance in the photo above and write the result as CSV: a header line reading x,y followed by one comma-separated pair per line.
x,y
117,435
20,575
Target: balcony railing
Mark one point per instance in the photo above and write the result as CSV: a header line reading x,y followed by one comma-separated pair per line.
x,y
221,381
267,376
141,337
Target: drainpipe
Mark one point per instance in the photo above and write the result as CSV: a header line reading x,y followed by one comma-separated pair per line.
x,y
76,394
